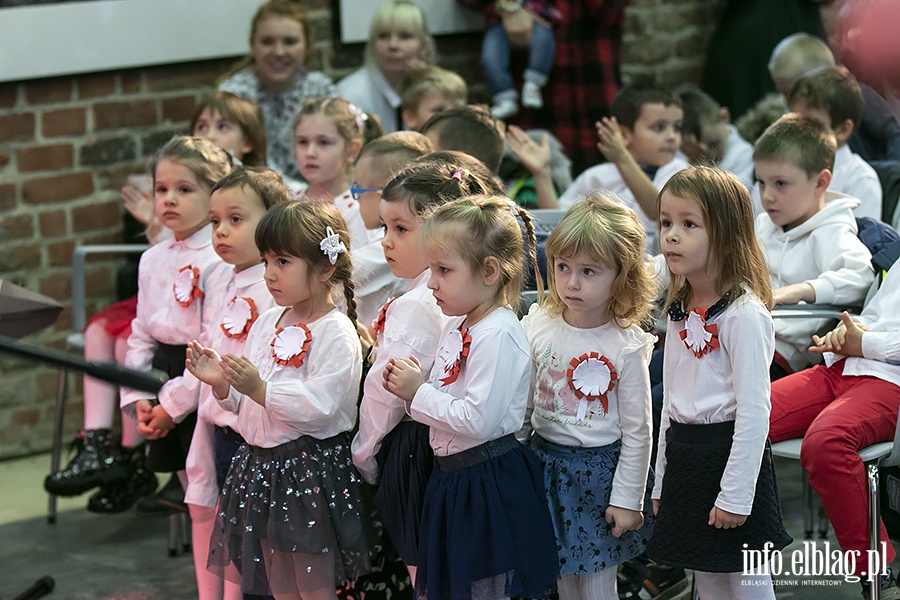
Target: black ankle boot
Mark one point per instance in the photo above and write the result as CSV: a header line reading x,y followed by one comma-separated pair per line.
x,y
119,497
96,463
167,501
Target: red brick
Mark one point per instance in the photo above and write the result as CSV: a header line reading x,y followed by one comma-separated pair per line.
x,y
183,76
103,238
178,109
98,84
57,285
95,216
65,121
44,91
26,416
59,254
8,93
57,188
55,157
7,196
112,115
99,280
24,256
17,227
16,127
131,81
4,158
52,223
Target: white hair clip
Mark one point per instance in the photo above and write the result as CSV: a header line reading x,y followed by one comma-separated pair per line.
x,y
332,245
359,116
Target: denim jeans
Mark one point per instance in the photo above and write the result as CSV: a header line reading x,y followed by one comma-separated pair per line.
x,y
495,54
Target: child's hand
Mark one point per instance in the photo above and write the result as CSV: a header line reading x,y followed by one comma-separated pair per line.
x,y
137,203
158,425
623,519
366,339
794,294
844,339
243,376
142,409
402,377
655,507
722,519
611,141
205,364
533,157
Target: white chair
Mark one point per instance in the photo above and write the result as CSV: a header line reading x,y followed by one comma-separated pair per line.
x,y
545,219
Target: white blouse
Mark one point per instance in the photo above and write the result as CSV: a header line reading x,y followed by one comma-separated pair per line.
x,y
412,327
317,398
176,281
577,372
488,398
728,383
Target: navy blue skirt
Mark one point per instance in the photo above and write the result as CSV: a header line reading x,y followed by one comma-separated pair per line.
x,y
405,462
579,482
486,529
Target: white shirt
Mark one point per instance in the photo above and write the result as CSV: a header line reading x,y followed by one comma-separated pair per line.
x,y
203,489
369,90
317,399
738,157
824,252
607,177
853,176
161,318
881,343
555,405
412,327
374,283
488,399
730,383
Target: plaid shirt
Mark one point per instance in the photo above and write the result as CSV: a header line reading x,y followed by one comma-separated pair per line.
x,y
585,76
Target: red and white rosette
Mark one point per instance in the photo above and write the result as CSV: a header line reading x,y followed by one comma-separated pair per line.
x,y
454,353
240,314
290,345
697,336
378,323
591,376
186,286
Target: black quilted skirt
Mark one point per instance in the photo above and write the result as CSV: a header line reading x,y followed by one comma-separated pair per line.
x,y
696,456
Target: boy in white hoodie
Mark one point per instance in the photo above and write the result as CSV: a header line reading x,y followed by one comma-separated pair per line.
x,y
808,235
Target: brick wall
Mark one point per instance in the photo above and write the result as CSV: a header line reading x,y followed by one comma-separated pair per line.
x,y
67,143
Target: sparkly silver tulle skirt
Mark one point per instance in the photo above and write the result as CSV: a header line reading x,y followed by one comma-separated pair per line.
x,y
292,519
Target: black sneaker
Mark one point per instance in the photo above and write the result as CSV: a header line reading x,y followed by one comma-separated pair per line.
x,y
118,497
167,501
96,463
639,581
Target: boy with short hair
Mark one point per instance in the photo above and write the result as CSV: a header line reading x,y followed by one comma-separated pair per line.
x,y
808,235
641,141
467,129
428,91
709,138
832,96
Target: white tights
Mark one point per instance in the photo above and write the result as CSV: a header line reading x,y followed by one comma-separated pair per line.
x,y
101,400
209,585
722,586
594,586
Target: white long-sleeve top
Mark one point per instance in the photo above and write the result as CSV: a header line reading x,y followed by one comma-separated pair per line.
x,y
412,327
230,310
369,90
729,383
606,177
824,252
488,399
853,176
554,404
374,283
738,157
317,399
162,319
881,343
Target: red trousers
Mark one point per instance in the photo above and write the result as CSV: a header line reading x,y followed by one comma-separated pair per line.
x,y
836,416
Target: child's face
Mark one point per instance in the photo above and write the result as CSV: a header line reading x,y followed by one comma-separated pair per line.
x,y
430,104
710,148
221,132
457,288
322,154
684,238
234,214
368,175
402,241
397,51
585,286
278,49
181,201
656,135
292,282
790,196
